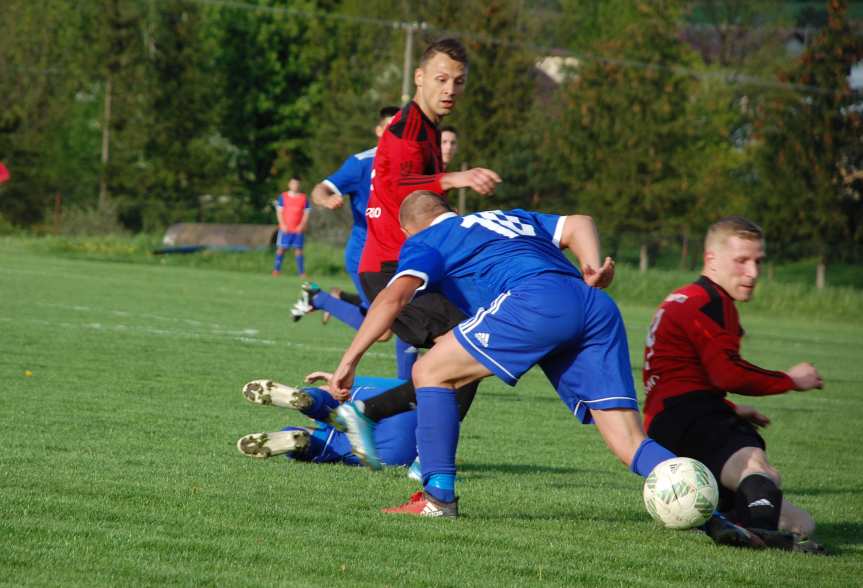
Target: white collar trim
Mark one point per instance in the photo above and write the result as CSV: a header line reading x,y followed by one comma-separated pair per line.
x,y
442,217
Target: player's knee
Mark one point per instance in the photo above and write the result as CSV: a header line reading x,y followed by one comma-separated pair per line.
x,y
421,373
426,372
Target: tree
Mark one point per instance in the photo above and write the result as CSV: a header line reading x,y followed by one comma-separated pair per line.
x,y
624,137
495,114
811,146
273,64
185,158
45,138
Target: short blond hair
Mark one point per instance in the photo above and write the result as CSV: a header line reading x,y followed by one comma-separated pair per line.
x,y
732,226
421,206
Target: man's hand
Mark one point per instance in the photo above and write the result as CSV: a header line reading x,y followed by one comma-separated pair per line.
x,y
599,278
752,415
317,377
805,376
341,381
478,179
333,202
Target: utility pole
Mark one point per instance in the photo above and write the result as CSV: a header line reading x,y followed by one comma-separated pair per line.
x,y
409,55
462,194
106,143
407,73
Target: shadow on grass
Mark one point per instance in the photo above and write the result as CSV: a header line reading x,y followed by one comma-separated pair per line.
x,y
840,537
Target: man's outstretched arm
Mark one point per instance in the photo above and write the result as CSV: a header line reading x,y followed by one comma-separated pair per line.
x,y
580,236
380,317
323,195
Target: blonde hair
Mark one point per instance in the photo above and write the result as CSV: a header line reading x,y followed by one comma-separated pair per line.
x,y
732,226
420,206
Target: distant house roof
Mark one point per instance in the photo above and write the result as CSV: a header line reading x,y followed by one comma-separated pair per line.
x,y
558,68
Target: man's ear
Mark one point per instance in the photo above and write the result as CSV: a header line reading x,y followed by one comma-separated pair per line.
x,y
418,77
405,231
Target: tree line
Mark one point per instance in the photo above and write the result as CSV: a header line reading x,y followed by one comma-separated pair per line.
x,y
658,118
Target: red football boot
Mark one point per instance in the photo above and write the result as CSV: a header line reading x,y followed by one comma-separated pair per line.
x,y
423,505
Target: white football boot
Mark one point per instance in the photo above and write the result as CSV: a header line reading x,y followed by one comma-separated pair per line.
x,y
264,445
268,392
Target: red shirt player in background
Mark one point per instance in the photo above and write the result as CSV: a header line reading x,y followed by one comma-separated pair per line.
x,y
292,214
408,159
692,360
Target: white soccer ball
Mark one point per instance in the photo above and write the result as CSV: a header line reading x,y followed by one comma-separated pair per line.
x,y
681,493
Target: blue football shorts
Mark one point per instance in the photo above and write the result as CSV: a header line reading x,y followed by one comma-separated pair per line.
x,y
573,331
289,240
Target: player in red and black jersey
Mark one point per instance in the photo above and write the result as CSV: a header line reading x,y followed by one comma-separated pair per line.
x,y
692,360
409,159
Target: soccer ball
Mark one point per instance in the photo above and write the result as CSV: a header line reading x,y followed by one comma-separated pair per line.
x,y
680,493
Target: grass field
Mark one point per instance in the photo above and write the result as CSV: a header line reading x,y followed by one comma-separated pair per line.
x,y
121,407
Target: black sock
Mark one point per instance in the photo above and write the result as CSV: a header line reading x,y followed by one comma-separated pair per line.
x,y
464,396
403,398
758,502
351,298
394,401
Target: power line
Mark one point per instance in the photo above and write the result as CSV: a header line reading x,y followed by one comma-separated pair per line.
x,y
729,77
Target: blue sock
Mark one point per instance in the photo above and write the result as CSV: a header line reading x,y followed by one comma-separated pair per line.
x,y
301,266
437,440
324,403
348,313
441,487
277,266
406,357
648,455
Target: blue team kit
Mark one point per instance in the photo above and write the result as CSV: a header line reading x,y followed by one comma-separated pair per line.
x,y
532,308
354,179
395,437
289,240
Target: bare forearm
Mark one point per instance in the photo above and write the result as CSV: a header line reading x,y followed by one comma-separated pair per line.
x,y
581,237
322,195
380,317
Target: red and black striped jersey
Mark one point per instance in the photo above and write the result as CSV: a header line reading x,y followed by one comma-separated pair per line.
x,y
693,345
408,159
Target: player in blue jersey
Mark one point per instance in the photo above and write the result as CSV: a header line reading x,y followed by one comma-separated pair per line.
x,y
536,308
395,437
352,181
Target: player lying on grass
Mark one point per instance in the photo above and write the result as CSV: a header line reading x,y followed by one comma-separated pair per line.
x,y
692,360
394,439
529,306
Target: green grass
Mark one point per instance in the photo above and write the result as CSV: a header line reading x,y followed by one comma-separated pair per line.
x,y
119,466
789,292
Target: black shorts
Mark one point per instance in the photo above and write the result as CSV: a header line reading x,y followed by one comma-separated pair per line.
x,y
702,426
424,319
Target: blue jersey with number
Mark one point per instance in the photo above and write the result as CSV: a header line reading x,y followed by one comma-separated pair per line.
x,y
354,180
474,258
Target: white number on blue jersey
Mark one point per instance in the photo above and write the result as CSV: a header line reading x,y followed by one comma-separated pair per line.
x,y
500,223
